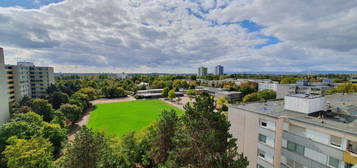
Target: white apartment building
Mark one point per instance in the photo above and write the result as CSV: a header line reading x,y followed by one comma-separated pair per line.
x,y
202,71
26,79
281,90
302,132
4,96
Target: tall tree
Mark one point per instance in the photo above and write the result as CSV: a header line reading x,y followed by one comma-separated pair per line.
x,y
205,140
43,108
57,99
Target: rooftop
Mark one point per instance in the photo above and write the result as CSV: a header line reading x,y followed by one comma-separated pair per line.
x,y
334,121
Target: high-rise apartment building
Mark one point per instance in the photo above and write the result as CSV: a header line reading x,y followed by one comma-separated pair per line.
x,y
218,70
4,96
202,71
26,79
299,132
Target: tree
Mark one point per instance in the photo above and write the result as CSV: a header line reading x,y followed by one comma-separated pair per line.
x,y
32,153
55,134
171,94
247,89
42,107
84,151
288,80
205,140
251,97
191,92
57,99
221,104
90,92
25,101
346,88
165,92
162,142
266,94
71,112
80,99
114,92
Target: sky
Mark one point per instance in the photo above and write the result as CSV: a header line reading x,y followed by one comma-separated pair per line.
x,y
178,36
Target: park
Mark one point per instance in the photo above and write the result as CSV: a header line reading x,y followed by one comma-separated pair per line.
x,y
123,117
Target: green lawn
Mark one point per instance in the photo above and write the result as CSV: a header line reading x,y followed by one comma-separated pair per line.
x,y
120,118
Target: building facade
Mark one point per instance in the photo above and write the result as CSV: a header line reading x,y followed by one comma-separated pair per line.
x,y
275,134
4,96
219,70
353,79
202,71
26,79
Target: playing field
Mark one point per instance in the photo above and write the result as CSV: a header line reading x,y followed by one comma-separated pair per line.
x,y
120,118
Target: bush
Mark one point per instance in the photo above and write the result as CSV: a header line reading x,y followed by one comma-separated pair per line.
x,y
267,94
251,97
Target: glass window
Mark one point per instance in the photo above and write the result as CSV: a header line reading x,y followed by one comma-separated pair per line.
x,y
300,149
335,141
334,162
259,166
261,153
262,138
291,146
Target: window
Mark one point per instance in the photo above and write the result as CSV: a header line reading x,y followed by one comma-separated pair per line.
x,y
263,123
296,148
334,162
293,164
259,166
262,138
335,141
261,154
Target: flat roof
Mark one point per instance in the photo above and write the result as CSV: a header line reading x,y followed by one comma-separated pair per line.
x,y
346,124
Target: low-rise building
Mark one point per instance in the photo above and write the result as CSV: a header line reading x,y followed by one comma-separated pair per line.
x,y
219,92
26,79
152,93
4,92
301,131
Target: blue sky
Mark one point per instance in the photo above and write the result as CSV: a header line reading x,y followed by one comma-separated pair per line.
x,y
179,36
27,4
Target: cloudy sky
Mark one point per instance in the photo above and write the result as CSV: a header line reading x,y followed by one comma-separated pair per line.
x,y
178,36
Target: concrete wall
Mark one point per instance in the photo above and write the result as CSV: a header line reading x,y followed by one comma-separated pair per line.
x,y
4,97
304,105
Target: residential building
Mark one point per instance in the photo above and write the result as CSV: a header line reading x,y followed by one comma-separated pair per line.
x,y
26,79
4,92
281,90
122,75
303,131
218,70
353,79
202,71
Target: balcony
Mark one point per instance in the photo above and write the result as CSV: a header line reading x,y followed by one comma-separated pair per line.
x,y
351,155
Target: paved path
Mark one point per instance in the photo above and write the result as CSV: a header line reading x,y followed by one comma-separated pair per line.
x,y
183,102
84,120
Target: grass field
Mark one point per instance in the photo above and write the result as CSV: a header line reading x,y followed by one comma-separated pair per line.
x,y
120,118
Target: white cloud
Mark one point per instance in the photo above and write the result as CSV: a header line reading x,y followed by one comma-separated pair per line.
x,y
162,36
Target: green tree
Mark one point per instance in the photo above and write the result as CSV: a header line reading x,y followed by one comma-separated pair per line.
x,y
162,142
266,94
165,92
32,153
71,112
247,89
171,94
251,97
84,151
90,92
288,80
57,99
43,108
55,134
204,140
191,92
346,88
